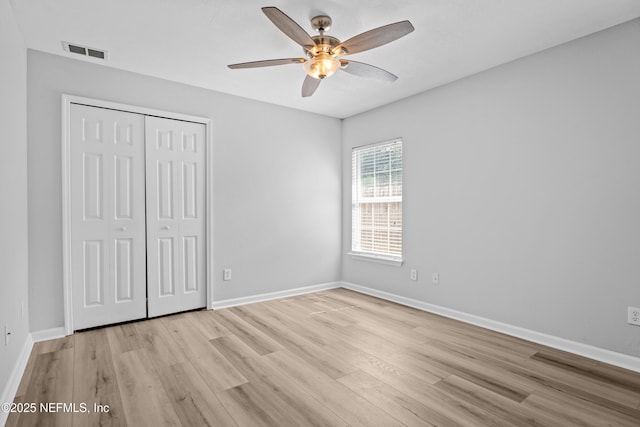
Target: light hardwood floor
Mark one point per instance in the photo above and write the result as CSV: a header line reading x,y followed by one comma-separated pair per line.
x,y
333,358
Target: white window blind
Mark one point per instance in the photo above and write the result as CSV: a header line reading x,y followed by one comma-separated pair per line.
x,y
376,209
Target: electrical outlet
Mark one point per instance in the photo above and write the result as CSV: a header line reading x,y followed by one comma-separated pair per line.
x,y
226,274
414,274
634,316
6,334
435,278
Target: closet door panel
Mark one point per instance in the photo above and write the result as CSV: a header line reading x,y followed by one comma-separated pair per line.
x,y
93,267
108,275
124,271
165,267
175,223
123,172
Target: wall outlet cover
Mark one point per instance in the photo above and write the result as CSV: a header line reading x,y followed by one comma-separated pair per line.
x,y
634,316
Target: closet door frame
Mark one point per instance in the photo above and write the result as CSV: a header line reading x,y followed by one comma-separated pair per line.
x,y
67,100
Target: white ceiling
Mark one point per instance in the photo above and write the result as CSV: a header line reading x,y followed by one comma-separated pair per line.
x,y
192,41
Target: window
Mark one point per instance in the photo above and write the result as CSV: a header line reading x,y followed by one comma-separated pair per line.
x,y
376,208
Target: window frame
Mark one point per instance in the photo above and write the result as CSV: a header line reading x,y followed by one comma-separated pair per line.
x,y
382,258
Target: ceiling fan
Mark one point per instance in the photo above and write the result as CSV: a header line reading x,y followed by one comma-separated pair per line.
x,y
324,52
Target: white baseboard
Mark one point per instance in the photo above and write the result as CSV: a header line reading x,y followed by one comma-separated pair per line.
x,y
48,334
216,305
10,389
596,353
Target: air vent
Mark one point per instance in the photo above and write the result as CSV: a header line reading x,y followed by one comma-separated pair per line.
x,y
85,51
96,53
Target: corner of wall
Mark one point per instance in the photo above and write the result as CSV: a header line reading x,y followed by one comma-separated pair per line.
x,y
14,257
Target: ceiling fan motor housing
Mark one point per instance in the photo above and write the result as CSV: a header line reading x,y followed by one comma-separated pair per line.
x,y
326,44
321,23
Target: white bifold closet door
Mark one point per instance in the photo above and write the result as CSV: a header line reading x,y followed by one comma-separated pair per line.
x,y
108,216
175,215
137,216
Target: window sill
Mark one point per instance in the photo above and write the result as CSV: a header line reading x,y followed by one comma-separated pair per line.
x,y
380,259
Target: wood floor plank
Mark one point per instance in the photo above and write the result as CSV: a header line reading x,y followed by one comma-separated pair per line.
x,y
495,366
480,372
51,382
283,312
566,410
288,403
402,318
408,357
599,393
253,337
325,361
534,374
493,346
382,369
593,370
14,418
337,311
162,348
557,369
348,405
248,406
358,299
400,406
188,337
307,306
394,329
207,322
193,401
497,405
442,409
95,382
125,337
217,371
144,399
369,340
272,320
53,345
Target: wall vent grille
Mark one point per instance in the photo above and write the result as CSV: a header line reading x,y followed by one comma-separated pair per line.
x,y
85,51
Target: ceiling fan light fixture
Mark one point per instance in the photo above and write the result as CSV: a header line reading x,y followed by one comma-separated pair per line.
x,y
323,51
321,66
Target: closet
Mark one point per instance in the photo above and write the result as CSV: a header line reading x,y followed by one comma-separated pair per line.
x,y
136,215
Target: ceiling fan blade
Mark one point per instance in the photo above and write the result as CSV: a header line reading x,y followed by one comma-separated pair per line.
x,y
361,69
289,27
266,63
376,37
309,86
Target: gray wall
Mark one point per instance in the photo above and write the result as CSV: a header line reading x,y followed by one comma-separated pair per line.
x,y
277,195
522,189
13,192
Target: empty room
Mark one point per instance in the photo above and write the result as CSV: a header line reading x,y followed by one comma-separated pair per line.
x,y
301,213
